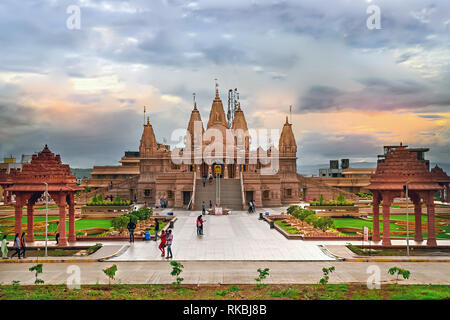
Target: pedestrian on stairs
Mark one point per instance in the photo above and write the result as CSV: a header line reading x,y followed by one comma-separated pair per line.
x,y
203,207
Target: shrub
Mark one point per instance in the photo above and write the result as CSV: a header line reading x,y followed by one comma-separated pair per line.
x,y
312,220
110,272
177,268
326,277
293,208
400,272
94,248
38,269
263,273
120,223
143,213
324,223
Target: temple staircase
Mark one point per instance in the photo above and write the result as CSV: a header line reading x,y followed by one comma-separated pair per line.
x,y
230,194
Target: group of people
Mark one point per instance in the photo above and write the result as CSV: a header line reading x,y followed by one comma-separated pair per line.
x,y
163,202
166,238
166,242
20,246
207,178
251,206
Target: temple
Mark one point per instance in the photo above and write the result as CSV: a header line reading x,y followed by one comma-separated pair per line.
x,y
268,176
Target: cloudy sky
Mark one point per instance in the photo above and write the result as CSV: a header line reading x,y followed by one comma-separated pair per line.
x,y
353,89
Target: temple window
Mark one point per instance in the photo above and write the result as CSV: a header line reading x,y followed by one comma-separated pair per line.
x,y
169,194
266,194
288,192
147,192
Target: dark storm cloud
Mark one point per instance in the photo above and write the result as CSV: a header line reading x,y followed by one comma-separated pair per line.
x,y
328,146
377,94
319,98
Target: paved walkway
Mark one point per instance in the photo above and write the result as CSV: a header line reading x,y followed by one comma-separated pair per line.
x,y
205,272
236,237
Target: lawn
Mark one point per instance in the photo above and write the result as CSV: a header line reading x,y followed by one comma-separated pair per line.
x,y
79,225
229,292
360,223
288,228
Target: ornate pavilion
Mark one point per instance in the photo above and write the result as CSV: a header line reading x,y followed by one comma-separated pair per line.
x,y
399,167
28,185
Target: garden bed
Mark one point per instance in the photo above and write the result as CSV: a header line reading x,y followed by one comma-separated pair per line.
x,y
222,292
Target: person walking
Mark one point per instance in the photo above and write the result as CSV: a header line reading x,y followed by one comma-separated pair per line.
x,y
4,248
162,244
203,207
169,244
23,244
204,181
131,226
16,246
210,204
156,229
199,224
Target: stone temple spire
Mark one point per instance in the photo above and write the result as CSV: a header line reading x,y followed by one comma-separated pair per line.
x,y
148,143
217,114
239,123
195,116
287,142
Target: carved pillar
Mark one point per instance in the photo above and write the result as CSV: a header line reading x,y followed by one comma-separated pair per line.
x,y
18,214
431,241
30,226
209,169
225,171
376,216
237,167
62,219
72,237
197,169
417,217
387,199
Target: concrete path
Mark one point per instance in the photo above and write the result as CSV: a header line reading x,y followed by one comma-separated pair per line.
x,y
236,237
199,272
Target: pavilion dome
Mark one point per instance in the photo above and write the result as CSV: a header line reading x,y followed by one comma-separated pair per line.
x,y
399,167
439,174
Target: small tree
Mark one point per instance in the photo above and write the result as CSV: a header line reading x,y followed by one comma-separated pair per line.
x,y
111,273
37,269
263,274
326,277
120,223
399,271
177,269
321,200
341,198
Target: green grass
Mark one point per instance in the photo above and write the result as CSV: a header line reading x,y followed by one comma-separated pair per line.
x,y
79,225
360,223
217,292
287,227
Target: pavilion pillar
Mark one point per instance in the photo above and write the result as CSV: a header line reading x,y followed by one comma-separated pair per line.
x,y
443,195
5,196
18,214
387,199
62,220
447,196
197,169
376,216
72,237
417,217
30,220
431,241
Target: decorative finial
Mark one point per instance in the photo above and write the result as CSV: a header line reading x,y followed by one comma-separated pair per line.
x,y
195,102
148,120
217,88
401,144
239,105
287,122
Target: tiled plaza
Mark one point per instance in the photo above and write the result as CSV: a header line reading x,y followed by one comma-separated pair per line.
x,y
236,237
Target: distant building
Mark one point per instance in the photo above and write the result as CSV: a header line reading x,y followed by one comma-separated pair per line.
x,y
11,163
334,170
